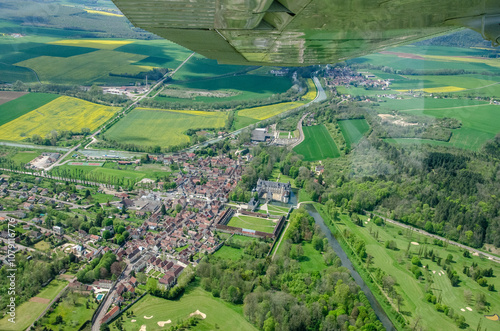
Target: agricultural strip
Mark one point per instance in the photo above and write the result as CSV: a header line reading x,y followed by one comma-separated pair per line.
x,y
317,145
353,130
219,314
63,113
18,107
93,43
28,311
152,127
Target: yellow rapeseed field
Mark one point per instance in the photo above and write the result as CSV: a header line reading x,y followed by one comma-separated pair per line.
x,y
102,13
63,113
264,112
93,43
311,91
442,89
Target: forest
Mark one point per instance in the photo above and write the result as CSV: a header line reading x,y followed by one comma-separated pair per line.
x,y
278,295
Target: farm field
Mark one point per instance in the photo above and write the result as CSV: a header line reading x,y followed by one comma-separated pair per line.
x,y
226,316
247,86
63,113
24,104
28,311
252,223
475,130
413,291
427,103
97,174
353,130
6,96
25,156
150,127
84,61
317,145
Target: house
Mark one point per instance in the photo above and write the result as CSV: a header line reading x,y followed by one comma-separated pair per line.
x,y
58,229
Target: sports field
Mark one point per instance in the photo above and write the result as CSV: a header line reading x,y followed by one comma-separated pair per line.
x,y
28,311
252,223
353,130
17,107
413,291
144,126
219,314
63,113
317,145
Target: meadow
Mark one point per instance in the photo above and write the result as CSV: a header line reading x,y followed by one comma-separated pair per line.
x,y
252,223
394,262
13,109
63,113
353,130
74,313
219,314
150,127
28,311
229,253
427,103
479,124
317,145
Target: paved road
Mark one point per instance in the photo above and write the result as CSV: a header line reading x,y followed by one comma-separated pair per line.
x,y
104,306
489,256
301,132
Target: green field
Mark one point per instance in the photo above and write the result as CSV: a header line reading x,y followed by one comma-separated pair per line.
x,y
230,253
252,223
25,156
219,314
427,103
395,264
353,130
74,314
28,311
317,145
479,124
13,109
152,127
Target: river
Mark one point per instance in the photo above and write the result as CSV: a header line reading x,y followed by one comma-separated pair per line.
x,y
347,263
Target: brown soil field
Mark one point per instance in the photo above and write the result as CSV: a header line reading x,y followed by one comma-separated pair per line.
x,y
6,96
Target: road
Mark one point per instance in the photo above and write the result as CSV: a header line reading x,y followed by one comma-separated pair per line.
x,y
145,95
301,132
320,96
425,233
108,300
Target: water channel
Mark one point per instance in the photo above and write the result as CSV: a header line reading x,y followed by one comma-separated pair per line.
x,y
347,263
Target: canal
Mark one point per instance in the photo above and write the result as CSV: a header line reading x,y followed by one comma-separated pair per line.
x,y
347,263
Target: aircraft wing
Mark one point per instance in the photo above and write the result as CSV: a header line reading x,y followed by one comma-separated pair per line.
x,y
305,32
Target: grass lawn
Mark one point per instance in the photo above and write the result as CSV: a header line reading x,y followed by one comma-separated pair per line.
x,y
252,223
26,156
42,245
219,314
311,260
226,252
145,126
353,130
74,314
318,144
396,264
282,178
13,109
28,311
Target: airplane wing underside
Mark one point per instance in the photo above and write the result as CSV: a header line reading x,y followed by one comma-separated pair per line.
x,y
305,32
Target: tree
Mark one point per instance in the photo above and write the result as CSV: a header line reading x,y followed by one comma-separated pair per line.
x,y
107,234
116,269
